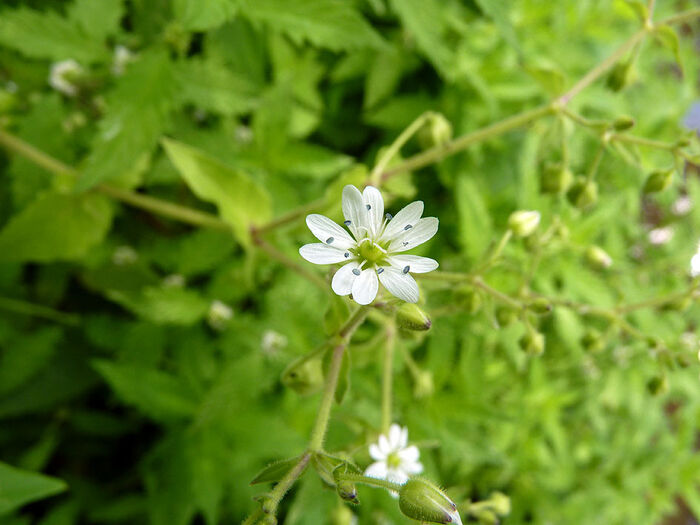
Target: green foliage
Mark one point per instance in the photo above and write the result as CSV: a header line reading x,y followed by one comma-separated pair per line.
x,y
21,486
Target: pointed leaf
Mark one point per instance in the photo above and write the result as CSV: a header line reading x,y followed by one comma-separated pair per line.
x,y
18,487
275,471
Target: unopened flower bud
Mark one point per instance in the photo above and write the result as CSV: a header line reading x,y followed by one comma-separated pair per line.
x,y
532,342
621,75
592,341
469,299
657,385
540,306
683,142
347,491
555,179
583,193
623,123
658,181
421,500
485,516
423,386
500,503
598,258
219,315
523,223
304,376
506,315
437,131
410,317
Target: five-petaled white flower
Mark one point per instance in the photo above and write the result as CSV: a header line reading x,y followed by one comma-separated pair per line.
x,y
373,252
394,460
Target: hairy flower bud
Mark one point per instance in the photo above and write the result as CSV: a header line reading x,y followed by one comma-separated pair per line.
x,y
421,500
583,193
658,181
623,123
532,342
437,131
523,223
303,376
410,317
555,179
540,306
598,258
505,315
621,75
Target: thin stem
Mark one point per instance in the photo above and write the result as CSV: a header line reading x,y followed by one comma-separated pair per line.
x,y
283,259
372,482
680,18
479,283
318,433
290,216
583,121
273,499
411,364
375,177
654,302
596,162
387,376
643,141
36,310
496,253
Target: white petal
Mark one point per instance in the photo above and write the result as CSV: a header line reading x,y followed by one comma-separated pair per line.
x,y
695,265
415,263
422,231
343,279
404,437
412,467
409,454
384,446
365,286
377,470
376,453
374,207
326,230
400,284
395,436
408,215
354,211
397,476
319,253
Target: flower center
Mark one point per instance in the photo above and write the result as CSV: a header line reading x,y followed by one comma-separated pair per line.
x,y
371,252
393,460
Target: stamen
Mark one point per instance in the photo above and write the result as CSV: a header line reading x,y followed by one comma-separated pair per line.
x,y
405,243
406,268
407,227
389,216
379,270
369,207
329,240
347,254
347,223
356,271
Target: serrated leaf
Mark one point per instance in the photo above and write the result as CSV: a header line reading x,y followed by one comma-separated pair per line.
x,y
332,24
274,471
241,202
98,19
18,487
47,35
668,38
200,15
137,114
157,394
56,227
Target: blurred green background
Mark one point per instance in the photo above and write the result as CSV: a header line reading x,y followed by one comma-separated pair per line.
x,y
141,355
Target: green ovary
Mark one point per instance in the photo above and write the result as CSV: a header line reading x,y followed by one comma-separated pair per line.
x,y
371,252
393,460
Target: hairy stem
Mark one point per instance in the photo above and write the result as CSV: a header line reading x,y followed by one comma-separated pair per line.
x,y
372,482
387,376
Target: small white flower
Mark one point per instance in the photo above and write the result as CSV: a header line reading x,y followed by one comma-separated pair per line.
x,y
124,255
122,56
219,315
373,252
695,265
174,280
682,205
523,222
394,460
660,236
272,342
63,75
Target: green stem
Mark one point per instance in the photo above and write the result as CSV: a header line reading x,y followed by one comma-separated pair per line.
x,y
496,253
283,259
272,501
596,162
654,302
372,482
496,294
375,177
387,376
37,310
583,121
318,433
681,18
290,216
642,141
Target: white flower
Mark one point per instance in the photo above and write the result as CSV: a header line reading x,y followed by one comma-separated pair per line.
x,y
63,75
695,265
124,255
523,223
219,315
174,280
682,205
122,56
373,252
659,236
394,460
272,342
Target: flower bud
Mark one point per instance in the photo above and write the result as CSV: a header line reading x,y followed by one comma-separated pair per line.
x,y
592,341
621,75
469,299
347,491
505,315
423,386
420,500
437,131
523,223
303,376
657,385
500,503
540,306
623,123
555,179
410,317
485,516
598,258
658,181
583,193
532,342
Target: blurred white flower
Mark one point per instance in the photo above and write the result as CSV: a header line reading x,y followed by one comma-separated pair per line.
x,y
219,315
174,280
124,255
372,253
394,460
272,342
63,76
695,265
523,222
659,236
682,205
122,56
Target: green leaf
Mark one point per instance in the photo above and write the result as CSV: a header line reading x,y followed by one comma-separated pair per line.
x,y
97,19
137,114
497,10
23,358
549,76
18,487
668,38
200,15
332,24
56,227
274,471
242,202
174,305
157,394
475,228
383,76
47,35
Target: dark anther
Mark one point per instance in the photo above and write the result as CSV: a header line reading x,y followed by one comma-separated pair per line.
x,y
407,227
380,270
369,207
406,268
347,254
356,271
329,240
